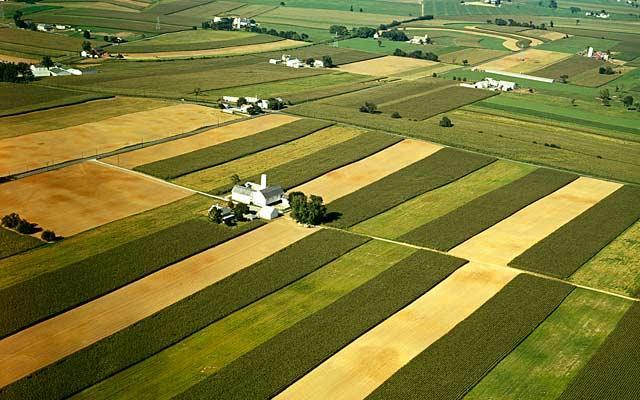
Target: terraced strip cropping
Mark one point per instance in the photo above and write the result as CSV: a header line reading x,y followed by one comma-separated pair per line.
x,y
613,371
304,169
345,180
181,319
385,66
275,364
456,362
212,137
542,366
12,243
515,235
363,365
175,369
47,342
255,164
51,293
463,223
211,156
195,40
595,228
615,268
426,207
415,179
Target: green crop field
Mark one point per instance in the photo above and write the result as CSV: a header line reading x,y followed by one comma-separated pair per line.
x,y
12,243
472,55
542,366
458,360
438,202
427,174
596,227
575,44
94,276
485,211
19,99
615,268
215,155
214,346
41,40
195,40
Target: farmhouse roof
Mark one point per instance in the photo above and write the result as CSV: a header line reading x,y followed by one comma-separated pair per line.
x,y
242,190
272,191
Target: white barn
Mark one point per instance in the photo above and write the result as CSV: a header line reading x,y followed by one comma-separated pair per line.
x,y
260,195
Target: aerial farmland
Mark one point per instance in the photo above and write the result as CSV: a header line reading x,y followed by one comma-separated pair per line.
x,y
306,199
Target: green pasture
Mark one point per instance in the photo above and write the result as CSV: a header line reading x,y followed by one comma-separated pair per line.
x,y
575,44
12,243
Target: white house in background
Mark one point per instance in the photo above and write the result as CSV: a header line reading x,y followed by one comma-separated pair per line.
x,y
492,84
294,63
419,39
260,195
318,64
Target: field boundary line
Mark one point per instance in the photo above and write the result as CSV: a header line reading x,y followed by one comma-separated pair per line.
x,y
153,178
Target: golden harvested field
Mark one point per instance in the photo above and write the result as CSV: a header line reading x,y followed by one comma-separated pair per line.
x,y
205,139
218,176
509,238
14,59
358,369
348,179
386,66
80,197
225,51
524,62
55,338
39,149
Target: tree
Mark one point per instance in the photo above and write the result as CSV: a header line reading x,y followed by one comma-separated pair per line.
x,y
86,34
297,201
49,236
26,227
606,102
240,210
445,122
47,62
553,4
310,61
605,95
339,30
235,179
86,46
564,78
254,110
368,107
351,8
396,115
328,62
627,101
316,210
551,24
242,101
465,62
215,215
11,220
282,3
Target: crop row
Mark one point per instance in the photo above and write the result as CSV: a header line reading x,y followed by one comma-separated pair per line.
x,y
614,371
568,248
299,171
142,47
461,358
427,174
48,294
215,155
14,243
485,211
436,102
174,323
271,367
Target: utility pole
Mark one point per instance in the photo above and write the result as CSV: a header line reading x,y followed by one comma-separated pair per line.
x,y
423,8
158,23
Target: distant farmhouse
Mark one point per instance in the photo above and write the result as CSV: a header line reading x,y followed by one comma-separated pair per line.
x,y
598,55
237,23
598,14
291,62
93,53
420,40
232,104
492,84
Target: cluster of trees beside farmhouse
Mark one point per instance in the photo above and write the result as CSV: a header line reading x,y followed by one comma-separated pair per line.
x,y
365,32
308,211
14,222
419,54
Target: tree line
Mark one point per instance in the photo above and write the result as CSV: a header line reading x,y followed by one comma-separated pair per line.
x,y
15,73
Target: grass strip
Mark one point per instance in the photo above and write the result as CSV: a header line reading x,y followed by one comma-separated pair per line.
x,y
174,323
299,171
215,155
427,174
613,372
458,360
467,221
48,294
12,243
580,239
277,363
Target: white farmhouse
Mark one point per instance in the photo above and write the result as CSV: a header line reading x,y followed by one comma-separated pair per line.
x,y
419,39
492,84
294,63
260,195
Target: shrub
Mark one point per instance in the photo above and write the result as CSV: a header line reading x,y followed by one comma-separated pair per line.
x,y
49,236
11,220
25,227
445,122
396,114
369,107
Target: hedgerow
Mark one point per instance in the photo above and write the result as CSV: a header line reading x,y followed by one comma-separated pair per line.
x,y
461,358
174,323
568,248
614,371
472,218
304,169
13,243
427,174
274,365
51,293
214,155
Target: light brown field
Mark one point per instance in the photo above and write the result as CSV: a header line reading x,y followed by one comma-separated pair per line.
x,y
205,139
551,35
509,238
352,177
362,366
41,148
14,59
526,61
44,343
226,51
80,197
385,66
534,41
96,5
